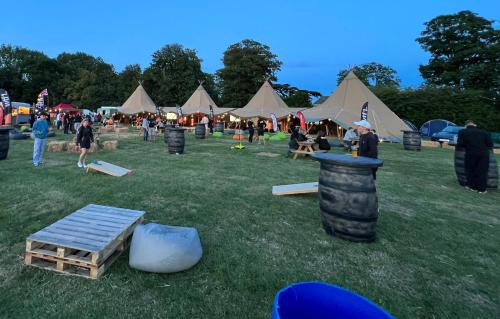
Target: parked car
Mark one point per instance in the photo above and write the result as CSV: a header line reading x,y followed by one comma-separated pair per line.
x,y
448,133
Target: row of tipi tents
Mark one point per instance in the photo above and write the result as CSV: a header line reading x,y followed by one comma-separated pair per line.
x,y
342,107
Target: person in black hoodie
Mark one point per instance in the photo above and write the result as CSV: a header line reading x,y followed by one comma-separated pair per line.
x,y
296,137
367,142
251,131
84,138
477,144
322,141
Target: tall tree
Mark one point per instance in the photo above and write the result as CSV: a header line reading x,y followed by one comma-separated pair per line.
x,y
173,75
465,52
295,97
246,65
372,74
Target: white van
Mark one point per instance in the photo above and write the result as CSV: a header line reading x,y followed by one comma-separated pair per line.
x,y
108,111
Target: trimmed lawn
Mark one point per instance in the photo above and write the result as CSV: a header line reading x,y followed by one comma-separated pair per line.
x,y
437,254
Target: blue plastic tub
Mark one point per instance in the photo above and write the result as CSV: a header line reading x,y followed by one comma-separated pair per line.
x,y
308,300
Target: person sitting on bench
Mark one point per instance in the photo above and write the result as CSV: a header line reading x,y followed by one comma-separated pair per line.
x,y
322,141
296,137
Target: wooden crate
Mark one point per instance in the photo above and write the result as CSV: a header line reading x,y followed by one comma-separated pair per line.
x,y
84,243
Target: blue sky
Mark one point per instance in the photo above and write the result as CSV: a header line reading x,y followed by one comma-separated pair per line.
x,y
314,39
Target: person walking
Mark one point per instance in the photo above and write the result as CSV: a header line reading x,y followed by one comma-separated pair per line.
x,y
40,130
477,144
84,138
78,122
367,142
251,131
145,128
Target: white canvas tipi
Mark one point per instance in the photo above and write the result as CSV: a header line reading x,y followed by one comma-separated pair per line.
x,y
344,107
138,102
200,102
263,103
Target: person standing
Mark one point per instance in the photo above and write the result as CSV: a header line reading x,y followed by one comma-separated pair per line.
x,y
65,120
84,138
58,120
260,132
204,121
40,130
349,135
251,131
78,122
477,144
145,128
367,142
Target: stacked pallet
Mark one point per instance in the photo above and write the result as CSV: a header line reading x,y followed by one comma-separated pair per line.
x,y
84,243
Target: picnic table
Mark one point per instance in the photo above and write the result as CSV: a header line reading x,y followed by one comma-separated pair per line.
x,y
306,148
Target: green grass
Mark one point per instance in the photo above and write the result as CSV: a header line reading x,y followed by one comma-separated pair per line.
x,y
437,254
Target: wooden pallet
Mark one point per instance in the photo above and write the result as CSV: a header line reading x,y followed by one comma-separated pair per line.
x,y
84,243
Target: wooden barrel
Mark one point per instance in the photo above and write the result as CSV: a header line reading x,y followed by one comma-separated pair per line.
x,y
175,137
412,140
219,127
4,142
199,131
492,181
165,133
347,196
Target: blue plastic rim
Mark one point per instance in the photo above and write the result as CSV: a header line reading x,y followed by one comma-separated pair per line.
x,y
320,300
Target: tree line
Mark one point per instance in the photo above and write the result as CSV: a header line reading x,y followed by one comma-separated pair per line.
x,y
461,78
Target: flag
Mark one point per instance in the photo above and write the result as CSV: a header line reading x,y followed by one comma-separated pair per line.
x,y
364,112
302,120
5,102
40,101
275,123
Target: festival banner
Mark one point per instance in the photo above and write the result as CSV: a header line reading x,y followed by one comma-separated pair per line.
x,y
40,101
179,114
5,102
275,122
364,112
302,120
211,111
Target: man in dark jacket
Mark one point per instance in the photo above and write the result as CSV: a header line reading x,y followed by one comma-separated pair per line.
x,y
367,142
477,144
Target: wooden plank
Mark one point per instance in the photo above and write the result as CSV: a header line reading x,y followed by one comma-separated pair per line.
x,y
292,189
74,236
61,240
108,168
75,223
130,212
102,217
82,219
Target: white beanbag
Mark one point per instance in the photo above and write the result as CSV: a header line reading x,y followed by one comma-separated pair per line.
x,y
164,249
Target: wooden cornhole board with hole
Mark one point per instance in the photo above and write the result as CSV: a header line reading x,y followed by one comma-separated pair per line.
x,y
108,168
295,189
84,243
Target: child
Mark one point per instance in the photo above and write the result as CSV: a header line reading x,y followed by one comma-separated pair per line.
x,y
40,130
84,138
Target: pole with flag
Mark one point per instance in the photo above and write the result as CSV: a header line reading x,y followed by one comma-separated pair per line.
x,y
40,102
179,113
275,122
5,107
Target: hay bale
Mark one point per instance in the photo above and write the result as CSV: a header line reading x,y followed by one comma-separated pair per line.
x,y
427,143
110,145
121,130
56,146
106,129
73,148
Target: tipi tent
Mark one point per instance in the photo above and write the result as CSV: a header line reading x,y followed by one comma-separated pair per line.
x,y
344,107
138,102
263,103
200,102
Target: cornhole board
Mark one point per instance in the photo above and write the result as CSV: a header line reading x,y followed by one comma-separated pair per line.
x,y
294,189
84,243
108,168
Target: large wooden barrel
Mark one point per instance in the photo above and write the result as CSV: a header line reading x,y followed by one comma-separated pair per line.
x,y
347,196
175,138
219,127
4,142
199,131
492,181
165,134
412,140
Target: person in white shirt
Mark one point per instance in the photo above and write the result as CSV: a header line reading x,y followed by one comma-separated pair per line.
x,y
145,128
350,134
205,121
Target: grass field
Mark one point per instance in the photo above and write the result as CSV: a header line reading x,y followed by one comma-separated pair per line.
x,y
437,254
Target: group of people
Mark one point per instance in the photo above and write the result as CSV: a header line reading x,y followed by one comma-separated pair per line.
x,y
260,131
40,129
150,126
